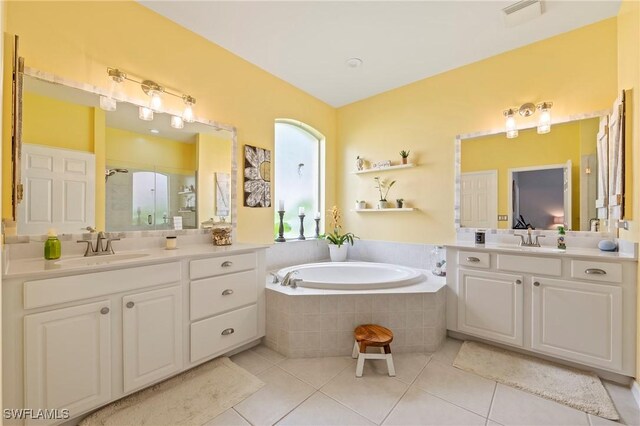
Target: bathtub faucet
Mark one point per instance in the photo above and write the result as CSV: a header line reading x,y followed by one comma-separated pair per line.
x,y
288,279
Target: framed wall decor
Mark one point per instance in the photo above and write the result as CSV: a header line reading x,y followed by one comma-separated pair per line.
x,y
257,177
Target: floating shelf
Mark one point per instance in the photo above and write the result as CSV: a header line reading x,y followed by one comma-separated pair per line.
x,y
404,209
185,192
384,169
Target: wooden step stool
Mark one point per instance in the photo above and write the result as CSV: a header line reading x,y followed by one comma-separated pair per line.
x,y
376,336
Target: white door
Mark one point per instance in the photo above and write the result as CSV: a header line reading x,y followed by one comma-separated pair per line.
x,y
602,149
152,333
567,194
68,358
479,199
490,305
577,321
59,190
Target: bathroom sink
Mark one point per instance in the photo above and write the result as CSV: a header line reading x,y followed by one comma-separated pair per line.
x,y
100,260
531,249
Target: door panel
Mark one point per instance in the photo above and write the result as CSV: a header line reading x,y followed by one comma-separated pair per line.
x,y
479,202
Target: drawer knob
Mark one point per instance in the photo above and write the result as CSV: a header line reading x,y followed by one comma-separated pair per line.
x,y
104,311
595,271
536,283
473,259
227,292
518,282
226,264
227,331
130,305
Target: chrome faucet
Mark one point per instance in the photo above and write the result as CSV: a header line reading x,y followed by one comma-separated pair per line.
x,y
529,242
288,279
100,249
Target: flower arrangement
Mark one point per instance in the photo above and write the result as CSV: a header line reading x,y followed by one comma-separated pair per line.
x,y
383,187
336,237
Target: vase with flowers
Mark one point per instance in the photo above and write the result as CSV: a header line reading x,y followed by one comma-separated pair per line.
x,y
383,187
337,240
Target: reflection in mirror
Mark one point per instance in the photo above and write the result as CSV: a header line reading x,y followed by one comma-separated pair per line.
x,y
542,181
86,167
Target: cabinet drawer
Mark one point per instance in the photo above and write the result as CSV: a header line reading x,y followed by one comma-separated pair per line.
x,y
211,296
596,271
474,259
211,267
215,335
530,264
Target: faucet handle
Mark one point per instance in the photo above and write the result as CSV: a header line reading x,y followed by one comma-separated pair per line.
x,y
89,246
274,279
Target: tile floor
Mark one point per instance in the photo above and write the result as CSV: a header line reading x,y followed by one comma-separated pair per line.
x,y
427,390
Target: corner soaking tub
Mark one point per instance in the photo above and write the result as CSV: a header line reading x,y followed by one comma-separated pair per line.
x,y
353,275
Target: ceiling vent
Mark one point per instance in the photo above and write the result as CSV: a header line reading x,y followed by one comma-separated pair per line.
x,y
521,12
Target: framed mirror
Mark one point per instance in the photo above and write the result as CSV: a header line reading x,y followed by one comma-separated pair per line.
x,y
84,167
541,181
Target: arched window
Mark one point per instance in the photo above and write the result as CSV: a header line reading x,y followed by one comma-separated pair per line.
x,y
299,176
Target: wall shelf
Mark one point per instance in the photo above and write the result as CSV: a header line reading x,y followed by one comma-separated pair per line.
x,y
384,169
394,209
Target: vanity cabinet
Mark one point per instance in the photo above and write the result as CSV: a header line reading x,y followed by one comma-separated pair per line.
x,y
577,309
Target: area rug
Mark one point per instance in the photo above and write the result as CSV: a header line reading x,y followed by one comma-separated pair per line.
x,y
578,389
191,398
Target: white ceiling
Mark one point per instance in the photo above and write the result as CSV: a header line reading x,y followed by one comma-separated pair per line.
x,y
306,43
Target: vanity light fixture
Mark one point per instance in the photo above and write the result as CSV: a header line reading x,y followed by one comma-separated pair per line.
x,y
544,122
187,114
145,113
527,110
177,122
153,89
510,123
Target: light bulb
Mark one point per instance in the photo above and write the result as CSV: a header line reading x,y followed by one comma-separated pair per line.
x,y
510,124
187,114
155,103
177,122
145,113
107,103
544,123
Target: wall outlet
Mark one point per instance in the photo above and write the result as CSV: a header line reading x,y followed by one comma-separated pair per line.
x,y
503,218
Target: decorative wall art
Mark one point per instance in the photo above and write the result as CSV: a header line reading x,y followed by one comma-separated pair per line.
x,y
257,177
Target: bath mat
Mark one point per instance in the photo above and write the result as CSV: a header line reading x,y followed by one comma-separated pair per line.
x,y
579,389
191,398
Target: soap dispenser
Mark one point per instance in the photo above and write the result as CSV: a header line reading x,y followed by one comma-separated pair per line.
x,y
52,247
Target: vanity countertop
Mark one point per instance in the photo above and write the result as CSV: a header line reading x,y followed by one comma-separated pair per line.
x,y
38,268
548,251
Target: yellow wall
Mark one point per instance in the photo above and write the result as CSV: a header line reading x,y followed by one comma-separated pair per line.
x,y
214,155
575,70
496,152
78,40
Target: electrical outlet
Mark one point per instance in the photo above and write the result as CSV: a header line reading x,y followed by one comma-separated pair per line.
x,y
503,218
623,224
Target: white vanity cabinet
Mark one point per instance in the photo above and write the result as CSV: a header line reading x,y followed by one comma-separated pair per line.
x,y
576,308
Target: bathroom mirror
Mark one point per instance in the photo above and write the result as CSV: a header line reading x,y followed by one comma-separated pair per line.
x,y
537,180
84,167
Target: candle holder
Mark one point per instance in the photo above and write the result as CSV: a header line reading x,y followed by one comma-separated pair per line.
x,y
317,227
301,236
281,238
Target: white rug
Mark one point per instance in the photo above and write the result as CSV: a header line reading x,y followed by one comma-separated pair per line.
x,y
576,388
192,398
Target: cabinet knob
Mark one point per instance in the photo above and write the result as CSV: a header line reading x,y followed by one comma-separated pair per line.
x,y
227,292
518,282
473,259
130,305
104,311
227,331
226,264
536,283
595,271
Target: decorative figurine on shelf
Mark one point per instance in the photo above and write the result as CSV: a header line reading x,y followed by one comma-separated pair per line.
x,y
561,233
359,163
404,154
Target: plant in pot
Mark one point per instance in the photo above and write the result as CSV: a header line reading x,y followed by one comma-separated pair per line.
x,y
399,202
338,241
383,187
404,154
361,205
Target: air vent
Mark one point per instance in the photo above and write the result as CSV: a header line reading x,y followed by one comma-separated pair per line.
x,y
521,12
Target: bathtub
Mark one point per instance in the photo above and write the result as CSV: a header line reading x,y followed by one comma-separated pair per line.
x,y
353,275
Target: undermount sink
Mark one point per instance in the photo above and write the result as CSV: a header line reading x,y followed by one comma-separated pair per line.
x,y
100,260
532,249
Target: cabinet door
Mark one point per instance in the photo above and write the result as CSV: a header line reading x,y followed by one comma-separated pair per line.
x,y
152,336
68,357
577,321
490,305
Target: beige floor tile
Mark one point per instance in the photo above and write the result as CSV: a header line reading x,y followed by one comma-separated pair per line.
x,y
599,421
515,407
492,423
370,396
420,408
407,365
228,418
320,410
317,371
448,351
462,388
281,394
624,402
268,353
252,362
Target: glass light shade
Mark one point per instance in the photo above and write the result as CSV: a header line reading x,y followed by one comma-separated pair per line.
x,y
512,134
107,103
511,127
145,114
177,122
187,114
544,123
155,103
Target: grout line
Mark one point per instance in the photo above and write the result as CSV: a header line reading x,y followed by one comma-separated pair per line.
x,y
493,398
301,402
238,413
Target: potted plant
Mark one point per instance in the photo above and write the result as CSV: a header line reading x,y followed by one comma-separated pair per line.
x,y
404,154
383,189
399,202
361,205
337,241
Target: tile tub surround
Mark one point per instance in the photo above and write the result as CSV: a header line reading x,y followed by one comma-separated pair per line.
x,y
320,325
406,254
296,252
